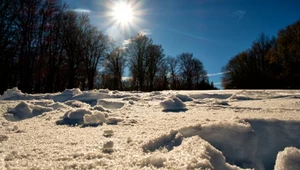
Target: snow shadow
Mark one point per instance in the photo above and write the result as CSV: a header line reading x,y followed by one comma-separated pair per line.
x,y
273,136
253,143
210,96
168,141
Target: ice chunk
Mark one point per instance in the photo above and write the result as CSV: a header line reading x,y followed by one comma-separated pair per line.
x,y
83,117
173,104
108,133
97,118
108,147
288,159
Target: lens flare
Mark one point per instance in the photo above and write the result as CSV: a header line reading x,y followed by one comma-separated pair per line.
x,y
123,13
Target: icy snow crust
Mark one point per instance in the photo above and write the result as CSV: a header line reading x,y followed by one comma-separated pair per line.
x,y
102,129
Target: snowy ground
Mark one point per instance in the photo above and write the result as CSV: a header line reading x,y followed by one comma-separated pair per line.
x,y
101,129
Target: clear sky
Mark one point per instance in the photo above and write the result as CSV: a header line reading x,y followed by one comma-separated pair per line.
x,y
213,30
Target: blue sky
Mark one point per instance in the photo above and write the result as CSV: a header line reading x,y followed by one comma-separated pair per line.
x,y
213,30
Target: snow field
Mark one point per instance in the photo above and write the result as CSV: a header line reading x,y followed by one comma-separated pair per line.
x,y
100,129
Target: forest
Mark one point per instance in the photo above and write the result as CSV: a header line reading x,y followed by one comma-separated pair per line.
x,y
270,63
47,47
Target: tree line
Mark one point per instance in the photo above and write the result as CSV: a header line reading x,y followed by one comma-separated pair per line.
x,y
270,63
151,70
47,47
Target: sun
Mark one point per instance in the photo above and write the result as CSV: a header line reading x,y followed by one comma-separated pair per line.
x,y
124,18
123,13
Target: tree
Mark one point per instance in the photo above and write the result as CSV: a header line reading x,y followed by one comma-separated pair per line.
x,y
154,58
114,65
192,71
236,72
97,48
9,10
173,70
137,52
288,52
258,52
250,69
161,79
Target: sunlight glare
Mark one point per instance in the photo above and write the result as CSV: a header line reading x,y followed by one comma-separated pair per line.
x,y
123,13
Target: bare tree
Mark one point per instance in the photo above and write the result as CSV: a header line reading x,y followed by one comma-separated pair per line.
x,y
154,56
137,53
9,10
173,70
97,48
114,65
192,71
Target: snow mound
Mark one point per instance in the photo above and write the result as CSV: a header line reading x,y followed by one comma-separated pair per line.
x,y
240,97
58,105
247,144
133,98
194,151
173,104
76,104
67,95
82,117
168,141
288,159
100,108
220,135
91,97
26,110
202,155
184,97
14,93
95,119
110,104
104,90
239,151
41,102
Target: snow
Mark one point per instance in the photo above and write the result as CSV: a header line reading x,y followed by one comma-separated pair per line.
x,y
173,103
102,129
95,119
184,97
110,104
82,116
67,95
26,110
288,159
11,93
